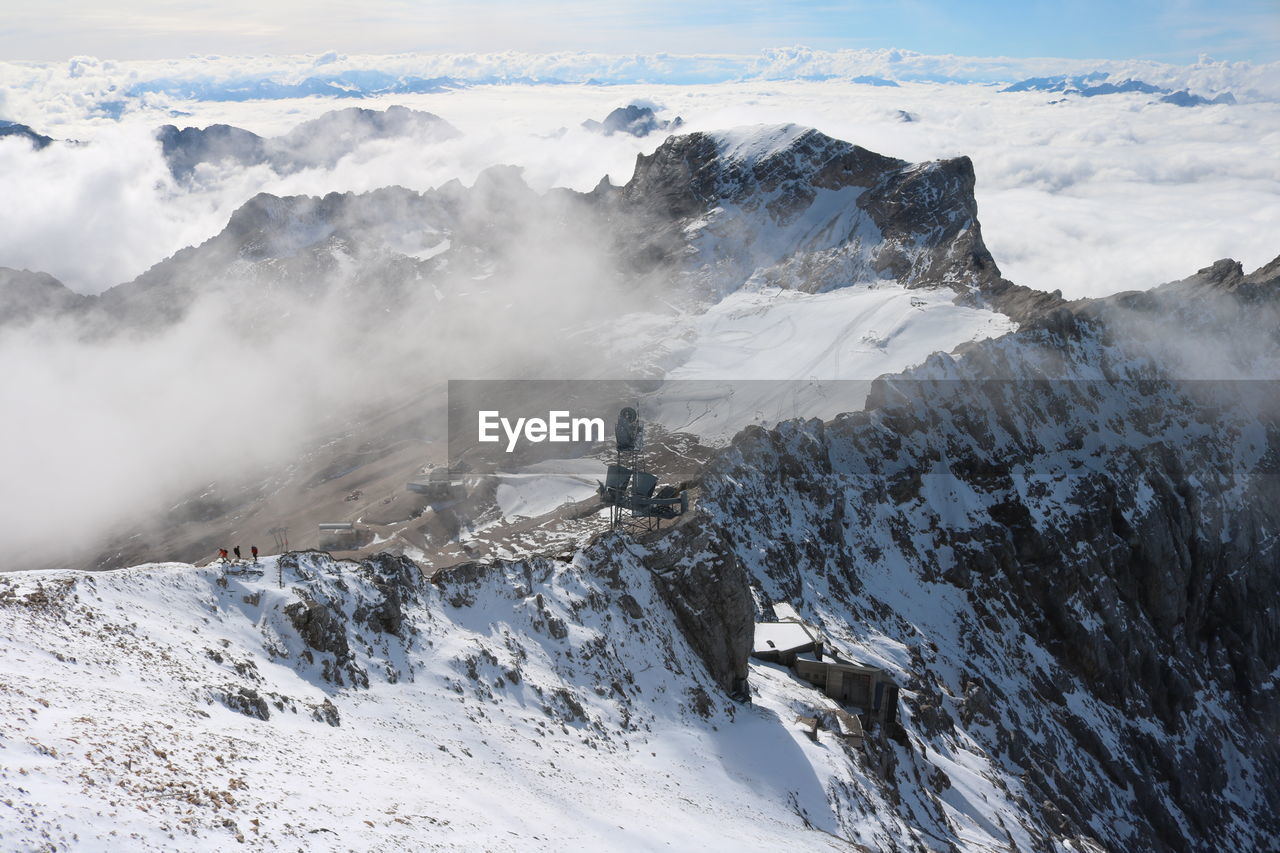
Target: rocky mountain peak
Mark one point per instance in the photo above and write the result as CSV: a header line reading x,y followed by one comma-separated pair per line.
x,y
632,119
698,170
14,129
785,197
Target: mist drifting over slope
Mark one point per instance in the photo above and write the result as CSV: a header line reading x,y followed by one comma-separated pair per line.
x,y
116,420
1089,196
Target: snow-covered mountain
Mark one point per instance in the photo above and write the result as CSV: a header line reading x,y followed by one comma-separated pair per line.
x,y
1064,542
1060,543
849,262
1053,525
14,130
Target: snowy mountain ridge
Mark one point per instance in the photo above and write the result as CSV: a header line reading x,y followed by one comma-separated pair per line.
x,y
511,707
1066,549
792,207
1060,549
787,205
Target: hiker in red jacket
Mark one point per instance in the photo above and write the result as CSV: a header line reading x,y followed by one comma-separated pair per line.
x,y
253,549
222,554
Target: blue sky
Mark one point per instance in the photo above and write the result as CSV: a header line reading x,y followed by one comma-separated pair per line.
x,y
1176,32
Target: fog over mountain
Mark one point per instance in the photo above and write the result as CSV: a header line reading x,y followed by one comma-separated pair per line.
x,y
1068,186
980,405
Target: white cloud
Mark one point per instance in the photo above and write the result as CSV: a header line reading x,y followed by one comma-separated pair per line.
x,y
95,215
1091,196
55,92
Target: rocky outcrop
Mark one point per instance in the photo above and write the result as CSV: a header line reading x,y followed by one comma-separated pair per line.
x,y
247,701
318,626
397,580
186,149
766,194
703,583
331,616
21,131
934,199
632,119
702,588
615,610
781,168
1072,544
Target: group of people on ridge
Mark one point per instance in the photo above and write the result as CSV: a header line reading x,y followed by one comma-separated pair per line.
x,y
222,554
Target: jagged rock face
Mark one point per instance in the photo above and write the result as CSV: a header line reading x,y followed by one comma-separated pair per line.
x,y
330,617
697,171
796,208
632,119
704,585
319,628
397,580
1064,553
934,199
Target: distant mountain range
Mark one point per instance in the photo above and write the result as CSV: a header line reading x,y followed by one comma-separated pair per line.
x,y
350,84
784,205
1097,83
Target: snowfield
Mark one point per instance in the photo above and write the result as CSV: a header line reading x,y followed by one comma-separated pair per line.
x,y
807,355
538,489
502,718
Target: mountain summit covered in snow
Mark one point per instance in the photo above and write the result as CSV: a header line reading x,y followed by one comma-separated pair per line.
x,y
1049,527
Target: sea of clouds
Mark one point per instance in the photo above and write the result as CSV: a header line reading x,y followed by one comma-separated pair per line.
x,y
1088,196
